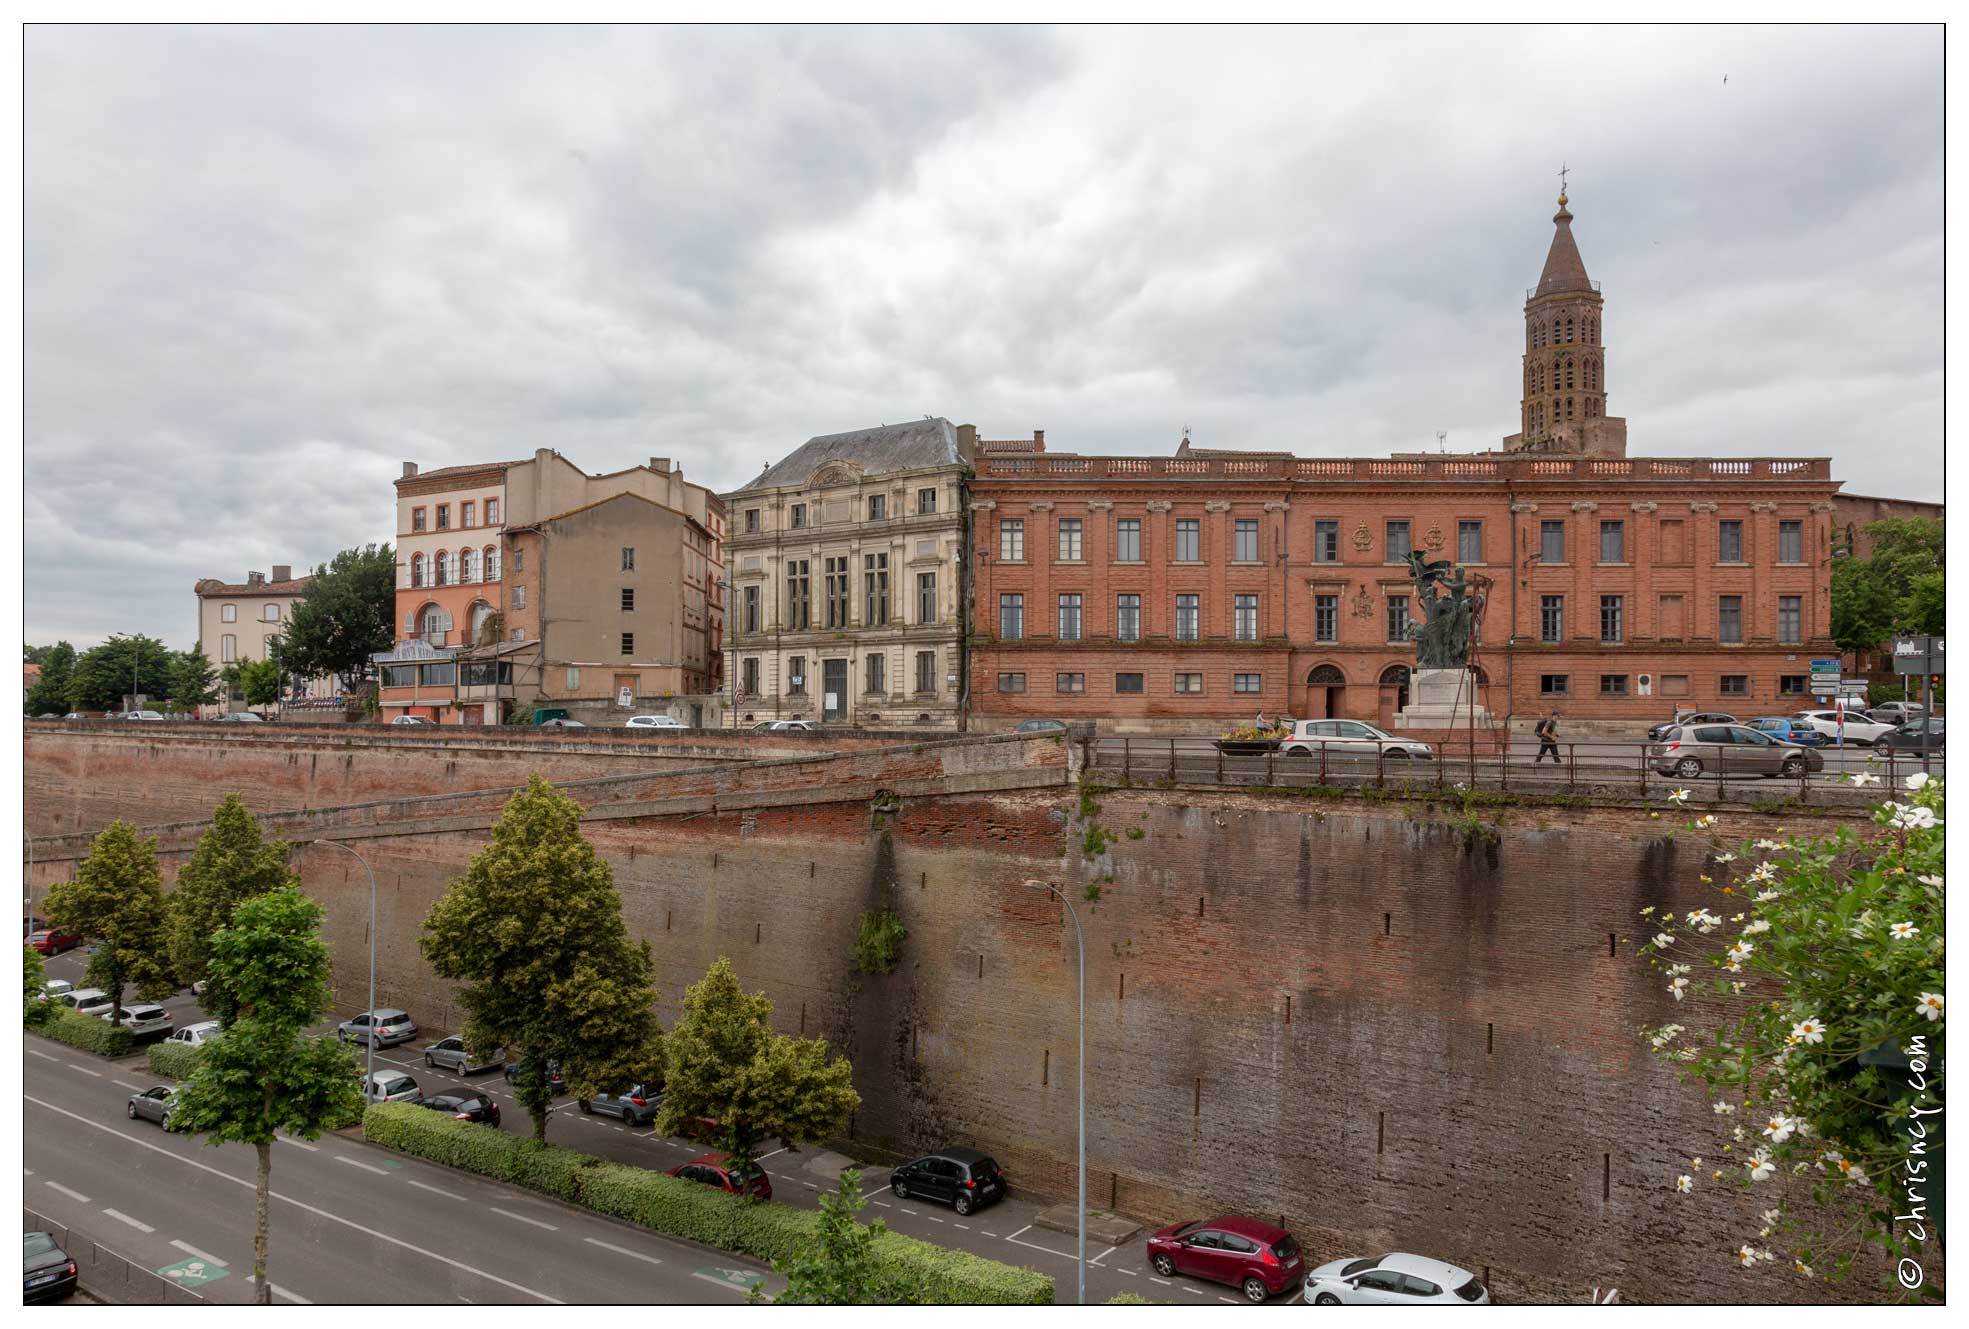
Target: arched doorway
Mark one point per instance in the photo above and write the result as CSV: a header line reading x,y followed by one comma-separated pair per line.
x,y
1326,689
1394,693
481,611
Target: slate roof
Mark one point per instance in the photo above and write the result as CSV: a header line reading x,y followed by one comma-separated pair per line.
x,y
904,447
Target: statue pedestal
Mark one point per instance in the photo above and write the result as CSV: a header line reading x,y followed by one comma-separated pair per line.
x,y
1442,699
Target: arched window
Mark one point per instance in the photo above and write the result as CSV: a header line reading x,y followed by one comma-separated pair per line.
x,y
1569,408
1394,676
270,613
1569,373
442,563
1568,329
492,562
416,569
467,566
436,624
481,611
1326,676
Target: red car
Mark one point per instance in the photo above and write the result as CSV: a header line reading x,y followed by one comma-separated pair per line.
x,y
54,941
716,1170
1256,1257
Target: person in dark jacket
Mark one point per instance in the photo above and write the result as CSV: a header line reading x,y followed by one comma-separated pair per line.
x,y
1548,739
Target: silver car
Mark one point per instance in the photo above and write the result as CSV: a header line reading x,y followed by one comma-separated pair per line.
x,y
655,722
385,1027
388,1087
143,1020
1350,738
1394,1280
451,1054
196,1035
153,1104
89,1001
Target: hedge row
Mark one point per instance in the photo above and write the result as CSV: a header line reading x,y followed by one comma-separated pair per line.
x,y
688,1209
88,1033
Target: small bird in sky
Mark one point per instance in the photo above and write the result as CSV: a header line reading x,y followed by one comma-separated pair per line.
x,y
1726,78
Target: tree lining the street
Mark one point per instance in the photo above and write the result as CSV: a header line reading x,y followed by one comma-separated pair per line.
x,y
122,666
49,695
232,863
116,899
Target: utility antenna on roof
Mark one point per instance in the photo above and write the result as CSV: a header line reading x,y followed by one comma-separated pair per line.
x,y
1441,434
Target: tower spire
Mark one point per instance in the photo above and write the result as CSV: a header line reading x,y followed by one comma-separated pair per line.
x,y
1564,387
1565,270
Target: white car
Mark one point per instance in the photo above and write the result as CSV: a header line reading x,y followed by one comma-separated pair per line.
x,y
388,1087
783,727
408,719
241,717
55,989
655,722
1349,738
89,1001
142,1020
196,1035
1859,729
1394,1280
141,715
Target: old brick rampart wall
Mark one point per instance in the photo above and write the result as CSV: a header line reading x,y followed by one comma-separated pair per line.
x,y
1386,1026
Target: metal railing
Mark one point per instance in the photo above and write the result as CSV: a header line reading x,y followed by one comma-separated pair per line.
x,y
102,1273
1606,769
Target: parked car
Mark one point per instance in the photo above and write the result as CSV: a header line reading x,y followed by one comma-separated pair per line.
x,y
196,1035
451,1054
47,1272
385,1027
1038,726
1720,749
241,717
1658,732
388,1087
53,941
75,715
963,1178
1919,736
409,719
31,925
462,1105
655,722
782,727
1786,730
555,1082
562,722
1394,1280
1859,729
1349,738
152,1104
140,715
716,1170
89,1001
144,1020
638,1105
55,989
1898,713
1258,1259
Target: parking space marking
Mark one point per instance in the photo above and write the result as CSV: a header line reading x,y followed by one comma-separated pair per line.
x,y
60,1189
366,1167
283,1293
136,1223
1194,1292
85,1070
1104,1255
298,1144
991,1234
623,1250
125,1084
522,1218
435,1190
912,1214
965,1226
933,1218
1034,1246
1129,1272
885,1204
1154,1279
190,1249
1232,1300
44,1056
763,1157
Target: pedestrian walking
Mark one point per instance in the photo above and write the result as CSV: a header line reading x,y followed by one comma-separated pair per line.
x,y
1548,739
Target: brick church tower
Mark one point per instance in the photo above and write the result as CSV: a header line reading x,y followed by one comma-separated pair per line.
x,y
1563,399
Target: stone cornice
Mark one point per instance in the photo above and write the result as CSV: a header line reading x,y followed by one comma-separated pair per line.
x,y
1100,505
1585,505
1643,507
1217,505
1702,507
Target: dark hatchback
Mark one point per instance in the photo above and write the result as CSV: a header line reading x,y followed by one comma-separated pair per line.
x,y
463,1104
962,1178
1916,736
47,1272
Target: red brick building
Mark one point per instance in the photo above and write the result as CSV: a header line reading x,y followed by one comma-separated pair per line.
x,y
1155,593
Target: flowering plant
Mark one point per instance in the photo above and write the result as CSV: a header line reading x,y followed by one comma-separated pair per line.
x,y
1823,1013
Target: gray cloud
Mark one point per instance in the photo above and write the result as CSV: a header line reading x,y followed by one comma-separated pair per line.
x,y
264,265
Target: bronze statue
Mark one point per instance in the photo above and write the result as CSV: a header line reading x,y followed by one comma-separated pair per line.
x,y
1449,621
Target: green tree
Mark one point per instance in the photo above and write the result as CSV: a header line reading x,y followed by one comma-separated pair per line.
x,y
534,929
34,972
1921,610
263,1074
103,674
347,614
724,1062
231,864
117,897
1863,608
50,692
194,681
1896,588
840,1267
229,681
261,681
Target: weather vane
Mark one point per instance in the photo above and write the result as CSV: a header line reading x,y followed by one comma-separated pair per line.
x,y
1562,177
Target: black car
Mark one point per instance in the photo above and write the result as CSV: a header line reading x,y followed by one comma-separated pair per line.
x,y
515,1069
48,1274
1918,736
638,1105
964,1177
1660,731
464,1104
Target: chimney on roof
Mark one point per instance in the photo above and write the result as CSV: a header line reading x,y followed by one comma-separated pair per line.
x,y
967,441
661,465
1039,440
409,469
283,572
542,454
256,578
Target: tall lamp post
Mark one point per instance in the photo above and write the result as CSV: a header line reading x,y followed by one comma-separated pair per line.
x,y
369,1069
1080,1169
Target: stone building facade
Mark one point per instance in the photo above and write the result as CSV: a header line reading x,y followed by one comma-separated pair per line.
x,y
1174,593
240,621
847,562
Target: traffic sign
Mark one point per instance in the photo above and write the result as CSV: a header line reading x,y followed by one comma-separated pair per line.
x,y
1825,675
1918,655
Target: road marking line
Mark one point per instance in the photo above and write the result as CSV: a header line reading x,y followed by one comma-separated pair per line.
x,y
522,1218
712,1278
120,1216
190,1249
85,1070
27,1172
1154,1279
298,1144
991,1234
885,1204
877,1191
435,1190
965,1226
60,1189
1104,1255
1129,1272
1194,1292
810,1186
1233,1300
280,1291
366,1167
763,1157
933,1218
44,1056
298,1204
1016,1235
125,1084
912,1214
623,1250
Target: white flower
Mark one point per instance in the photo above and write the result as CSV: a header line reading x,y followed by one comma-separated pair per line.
x,y
1766,1256
1934,881
1832,1156
1722,1107
1861,924
1726,858
1768,846
1734,966
1930,1005
1741,951
1805,1131
1666,1034
1755,926
1736,1133
1663,941
1736,987
1910,817
1678,796
1675,969
1685,1183
1765,897
1703,921
1649,910
1763,872
1771,1217
1802,1267
1854,1172
1746,1256
1676,988
1704,823
1808,1030
1779,1128
1902,931
1917,780
1865,778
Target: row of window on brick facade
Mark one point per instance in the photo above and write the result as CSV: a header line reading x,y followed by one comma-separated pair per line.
x,y
1560,331
1673,685
877,509
441,569
1185,683
467,515
1192,683
875,672
1397,540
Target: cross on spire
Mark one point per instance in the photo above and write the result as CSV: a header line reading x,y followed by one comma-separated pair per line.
x,y
1563,168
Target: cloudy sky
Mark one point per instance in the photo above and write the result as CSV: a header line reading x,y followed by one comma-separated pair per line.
x,y
266,266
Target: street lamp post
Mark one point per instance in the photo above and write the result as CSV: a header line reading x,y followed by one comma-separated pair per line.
x,y
1080,1168
369,1069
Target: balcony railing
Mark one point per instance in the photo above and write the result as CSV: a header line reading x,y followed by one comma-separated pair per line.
x,y
1486,470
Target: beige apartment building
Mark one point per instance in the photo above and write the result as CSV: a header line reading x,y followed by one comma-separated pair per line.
x,y
240,621
847,562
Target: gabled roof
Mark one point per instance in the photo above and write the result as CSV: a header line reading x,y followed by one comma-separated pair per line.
x,y
1564,269
443,471
905,447
213,586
